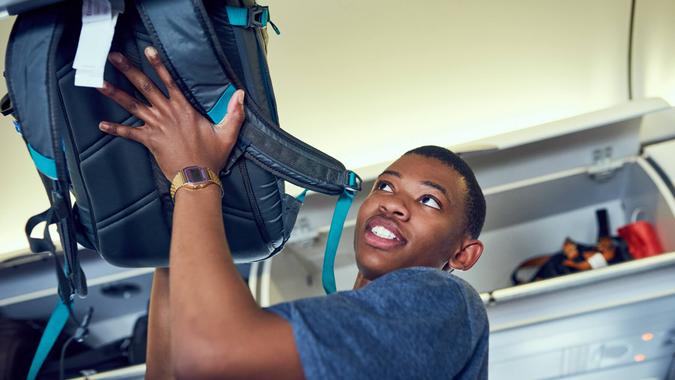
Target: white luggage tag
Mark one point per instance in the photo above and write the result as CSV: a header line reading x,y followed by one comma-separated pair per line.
x,y
597,261
98,28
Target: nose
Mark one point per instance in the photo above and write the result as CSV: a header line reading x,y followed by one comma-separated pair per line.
x,y
394,207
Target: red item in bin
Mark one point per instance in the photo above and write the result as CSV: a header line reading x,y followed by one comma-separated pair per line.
x,y
642,239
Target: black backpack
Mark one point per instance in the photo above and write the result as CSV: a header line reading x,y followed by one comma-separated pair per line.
x,y
124,209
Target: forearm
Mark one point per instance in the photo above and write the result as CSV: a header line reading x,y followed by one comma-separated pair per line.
x,y
210,303
159,329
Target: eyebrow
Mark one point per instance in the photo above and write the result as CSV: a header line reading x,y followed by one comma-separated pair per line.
x,y
426,183
392,173
436,186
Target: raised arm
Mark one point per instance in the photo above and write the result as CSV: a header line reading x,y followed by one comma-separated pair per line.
x,y
158,358
217,329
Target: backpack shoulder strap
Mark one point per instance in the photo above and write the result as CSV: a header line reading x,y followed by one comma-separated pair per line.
x,y
31,79
27,76
207,79
32,84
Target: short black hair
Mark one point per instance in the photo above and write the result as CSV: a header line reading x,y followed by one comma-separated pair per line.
x,y
474,200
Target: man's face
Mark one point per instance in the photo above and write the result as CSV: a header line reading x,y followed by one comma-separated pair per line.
x,y
414,216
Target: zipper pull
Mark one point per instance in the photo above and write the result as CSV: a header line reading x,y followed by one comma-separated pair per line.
x,y
276,30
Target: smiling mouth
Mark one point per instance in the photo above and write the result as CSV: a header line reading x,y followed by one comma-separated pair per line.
x,y
382,233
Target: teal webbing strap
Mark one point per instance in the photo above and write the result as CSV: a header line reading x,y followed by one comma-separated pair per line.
x,y
265,17
56,323
219,110
239,16
301,197
46,166
337,224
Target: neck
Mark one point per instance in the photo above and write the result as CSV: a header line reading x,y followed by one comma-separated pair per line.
x,y
361,281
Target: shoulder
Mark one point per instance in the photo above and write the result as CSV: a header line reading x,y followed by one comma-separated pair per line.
x,y
417,290
422,294
436,300
345,333
429,279
428,283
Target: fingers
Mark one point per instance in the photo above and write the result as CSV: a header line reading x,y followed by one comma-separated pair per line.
x,y
138,79
153,57
128,102
132,133
231,125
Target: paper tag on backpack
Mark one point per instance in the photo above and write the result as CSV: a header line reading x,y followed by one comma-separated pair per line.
x,y
597,261
98,28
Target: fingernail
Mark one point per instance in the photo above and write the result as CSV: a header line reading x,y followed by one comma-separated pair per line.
x,y
103,126
115,57
241,97
105,88
151,52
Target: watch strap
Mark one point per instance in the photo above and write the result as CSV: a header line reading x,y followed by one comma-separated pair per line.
x,y
180,180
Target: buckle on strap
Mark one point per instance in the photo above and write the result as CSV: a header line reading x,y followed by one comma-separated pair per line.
x,y
353,182
59,206
258,16
65,288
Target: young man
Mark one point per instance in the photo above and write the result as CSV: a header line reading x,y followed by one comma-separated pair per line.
x,y
407,317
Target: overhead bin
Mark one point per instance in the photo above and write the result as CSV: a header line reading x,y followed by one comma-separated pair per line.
x,y
542,184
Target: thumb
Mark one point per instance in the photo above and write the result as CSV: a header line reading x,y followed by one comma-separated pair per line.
x,y
229,127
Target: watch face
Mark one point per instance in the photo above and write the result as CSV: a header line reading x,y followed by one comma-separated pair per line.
x,y
195,174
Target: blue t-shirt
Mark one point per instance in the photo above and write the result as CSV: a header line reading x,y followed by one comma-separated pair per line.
x,y
414,323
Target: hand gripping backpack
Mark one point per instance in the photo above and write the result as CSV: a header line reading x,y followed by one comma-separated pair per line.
x,y
123,207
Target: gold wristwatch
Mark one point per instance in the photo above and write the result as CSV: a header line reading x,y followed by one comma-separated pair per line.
x,y
194,178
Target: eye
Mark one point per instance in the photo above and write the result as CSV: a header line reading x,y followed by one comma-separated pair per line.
x,y
384,186
430,201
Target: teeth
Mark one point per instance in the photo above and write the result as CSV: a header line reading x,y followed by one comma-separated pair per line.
x,y
383,233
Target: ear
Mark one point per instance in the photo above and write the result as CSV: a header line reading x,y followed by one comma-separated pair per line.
x,y
466,256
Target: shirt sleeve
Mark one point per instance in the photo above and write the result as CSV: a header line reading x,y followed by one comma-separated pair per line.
x,y
413,323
